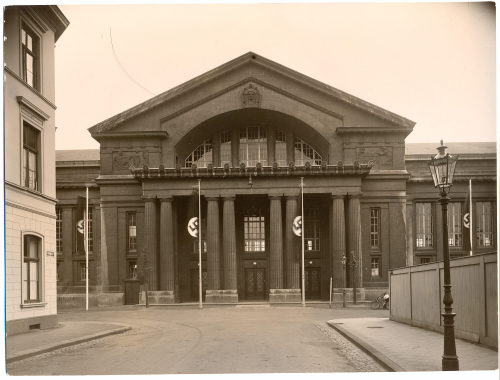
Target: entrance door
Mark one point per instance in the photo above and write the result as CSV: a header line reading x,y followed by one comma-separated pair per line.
x,y
313,282
255,283
253,231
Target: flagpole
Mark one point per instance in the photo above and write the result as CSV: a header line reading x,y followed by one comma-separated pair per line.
x,y
86,247
200,288
302,238
470,215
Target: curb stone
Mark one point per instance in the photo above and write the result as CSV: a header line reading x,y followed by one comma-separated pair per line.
x,y
65,343
370,350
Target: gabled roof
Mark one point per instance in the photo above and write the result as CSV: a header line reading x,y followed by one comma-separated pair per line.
x,y
249,58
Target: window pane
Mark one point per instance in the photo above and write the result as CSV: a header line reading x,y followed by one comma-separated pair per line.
x,y
225,148
485,224
25,281
29,70
375,228
305,153
375,266
33,277
201,156
254,231
253,146
424,238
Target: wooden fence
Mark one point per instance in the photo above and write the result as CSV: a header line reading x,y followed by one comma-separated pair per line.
x,y
417,294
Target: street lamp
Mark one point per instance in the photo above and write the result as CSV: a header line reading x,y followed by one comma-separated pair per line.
x,y
442,168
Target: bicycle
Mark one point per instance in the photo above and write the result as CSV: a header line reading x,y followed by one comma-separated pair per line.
x,y
380,302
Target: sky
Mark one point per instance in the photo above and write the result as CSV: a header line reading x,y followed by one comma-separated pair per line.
x,y
433,63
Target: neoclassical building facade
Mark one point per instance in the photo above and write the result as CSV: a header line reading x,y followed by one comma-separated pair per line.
x,y
248,132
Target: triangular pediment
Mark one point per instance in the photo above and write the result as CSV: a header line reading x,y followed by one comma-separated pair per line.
x,y
251,68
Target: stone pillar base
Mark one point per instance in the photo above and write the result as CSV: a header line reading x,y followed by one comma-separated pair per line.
x,y
221,296
158,297
284,295
349,294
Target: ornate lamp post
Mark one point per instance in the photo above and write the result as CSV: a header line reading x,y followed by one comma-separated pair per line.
x,y
442,168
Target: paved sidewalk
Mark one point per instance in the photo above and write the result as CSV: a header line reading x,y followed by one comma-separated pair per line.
x,y
68,333
400,347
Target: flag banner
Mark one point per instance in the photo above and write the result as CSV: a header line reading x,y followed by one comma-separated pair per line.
x,y
192,213
467,222
80,215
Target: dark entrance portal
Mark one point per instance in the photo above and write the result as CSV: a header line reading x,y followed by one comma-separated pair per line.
x,y
255,283
253,247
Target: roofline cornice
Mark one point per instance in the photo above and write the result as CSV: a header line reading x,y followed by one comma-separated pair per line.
x,y
361,130
135,135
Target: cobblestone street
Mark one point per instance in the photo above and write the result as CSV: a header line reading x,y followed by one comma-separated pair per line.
x,y
250,339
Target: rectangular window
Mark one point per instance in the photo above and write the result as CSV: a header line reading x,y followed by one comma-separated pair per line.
x,y
254,231
455,223
30,56
59,248
425,260
280,148
225,148
131,232
312,230
485,224
31,152
60,271
31,268
132,269
375,228
253,146
375,266
424,238
83,272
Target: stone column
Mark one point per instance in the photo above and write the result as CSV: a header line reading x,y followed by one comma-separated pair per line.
x,y
67,246
276,246
151,261
354,238
338,240
213,247
230,293
167,263
409,233
292,259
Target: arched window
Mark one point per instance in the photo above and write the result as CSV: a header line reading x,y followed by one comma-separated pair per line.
x,y
305,153
201,156
280,148
32,268
253,146
225,148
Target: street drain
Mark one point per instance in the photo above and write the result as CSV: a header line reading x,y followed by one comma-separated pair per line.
x,y
374,327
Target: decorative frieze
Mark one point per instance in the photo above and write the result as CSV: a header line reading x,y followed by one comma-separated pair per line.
x,y
129,160
381,156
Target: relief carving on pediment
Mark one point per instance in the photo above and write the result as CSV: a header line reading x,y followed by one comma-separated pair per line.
x,y
381,156
251,96
129,160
